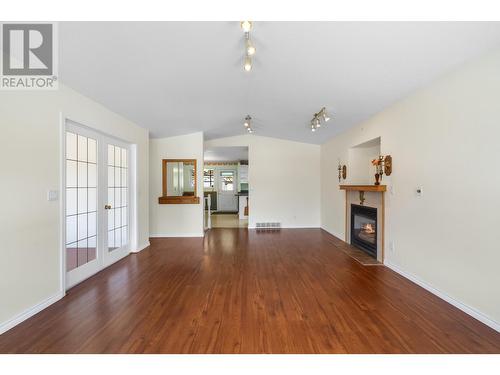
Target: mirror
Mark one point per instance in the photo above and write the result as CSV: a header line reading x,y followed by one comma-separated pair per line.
x,y
179,182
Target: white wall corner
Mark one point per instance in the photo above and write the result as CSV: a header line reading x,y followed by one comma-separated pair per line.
x,y
28,313
141,247
459,305
333,233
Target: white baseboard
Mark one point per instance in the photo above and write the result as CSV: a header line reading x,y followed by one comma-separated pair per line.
x,y
340,237
290,227
160,235
28,313
141,247
459,305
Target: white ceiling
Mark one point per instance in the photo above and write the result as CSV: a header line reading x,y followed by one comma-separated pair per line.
x,y
226,154
181,77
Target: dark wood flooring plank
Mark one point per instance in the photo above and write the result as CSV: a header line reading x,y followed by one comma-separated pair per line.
x,y
239,291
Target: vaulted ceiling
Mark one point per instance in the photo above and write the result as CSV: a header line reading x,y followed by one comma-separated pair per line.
x,y
181,77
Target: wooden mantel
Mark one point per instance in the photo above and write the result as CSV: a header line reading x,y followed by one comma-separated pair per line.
x,y
380,188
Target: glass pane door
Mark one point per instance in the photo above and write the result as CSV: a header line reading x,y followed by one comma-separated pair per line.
x,y
96,202
81,200
117,199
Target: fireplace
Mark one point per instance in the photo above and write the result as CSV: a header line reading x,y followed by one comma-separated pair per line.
x,y
364,228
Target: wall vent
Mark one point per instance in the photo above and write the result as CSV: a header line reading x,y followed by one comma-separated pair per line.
x,y
267,226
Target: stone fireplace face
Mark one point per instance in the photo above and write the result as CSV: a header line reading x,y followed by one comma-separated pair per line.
x,y
364,228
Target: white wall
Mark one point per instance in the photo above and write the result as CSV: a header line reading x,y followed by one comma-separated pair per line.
x,y
172,220
283,180
30,159
446,138
361,170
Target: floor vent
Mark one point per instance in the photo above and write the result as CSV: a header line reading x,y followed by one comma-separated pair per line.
x,y
268,226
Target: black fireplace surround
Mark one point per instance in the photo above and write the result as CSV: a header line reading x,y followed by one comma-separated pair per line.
x,y
364,228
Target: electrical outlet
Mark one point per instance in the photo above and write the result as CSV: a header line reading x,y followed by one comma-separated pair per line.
x,y
392,247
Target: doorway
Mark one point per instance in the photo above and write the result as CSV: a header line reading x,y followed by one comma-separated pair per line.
x,y
226,187
97,196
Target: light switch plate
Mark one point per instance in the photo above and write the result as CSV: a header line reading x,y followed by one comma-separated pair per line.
x,y
52,195
419,191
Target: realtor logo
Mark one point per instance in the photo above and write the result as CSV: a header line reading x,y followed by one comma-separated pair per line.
x,y
28,56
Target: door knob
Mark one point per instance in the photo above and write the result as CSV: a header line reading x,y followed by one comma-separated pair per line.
x,y
107,207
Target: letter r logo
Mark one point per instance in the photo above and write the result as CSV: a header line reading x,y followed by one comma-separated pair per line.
x,y
27,49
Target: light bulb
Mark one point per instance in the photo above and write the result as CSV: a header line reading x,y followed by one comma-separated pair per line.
x,y
318,123
250,130
313,128
246,26
248,64
246,124
250,48
325,117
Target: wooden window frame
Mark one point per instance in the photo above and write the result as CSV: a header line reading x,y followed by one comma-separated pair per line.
x,y
165,199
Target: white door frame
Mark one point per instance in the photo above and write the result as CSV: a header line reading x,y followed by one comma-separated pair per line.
x,y
67,123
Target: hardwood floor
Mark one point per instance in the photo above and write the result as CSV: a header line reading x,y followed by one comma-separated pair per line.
x,y
239,291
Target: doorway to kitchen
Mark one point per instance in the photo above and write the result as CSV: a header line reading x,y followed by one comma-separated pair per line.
x,y
226,187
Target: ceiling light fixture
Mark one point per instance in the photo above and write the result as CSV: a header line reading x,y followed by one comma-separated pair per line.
x,y
248,64
316,120
250,49
249,45
247,124
246,26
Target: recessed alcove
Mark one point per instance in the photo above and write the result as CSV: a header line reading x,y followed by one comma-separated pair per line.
x,y
361,170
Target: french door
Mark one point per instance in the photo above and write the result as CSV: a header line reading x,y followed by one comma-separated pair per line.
x,y
96,204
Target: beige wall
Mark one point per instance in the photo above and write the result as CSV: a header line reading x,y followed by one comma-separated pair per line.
x,y
172,220
283,179
444,138
30,157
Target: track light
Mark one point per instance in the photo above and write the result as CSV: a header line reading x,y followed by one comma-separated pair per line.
x,y
248,64
247,124
246,26
250,47
316,120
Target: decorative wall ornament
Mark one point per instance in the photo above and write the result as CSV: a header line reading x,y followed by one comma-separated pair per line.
x,y
383,164
342,170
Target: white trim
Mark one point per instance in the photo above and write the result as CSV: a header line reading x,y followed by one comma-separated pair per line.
x,y
28,313
142,247
459,305
62,203
334,234
288,227
160,235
